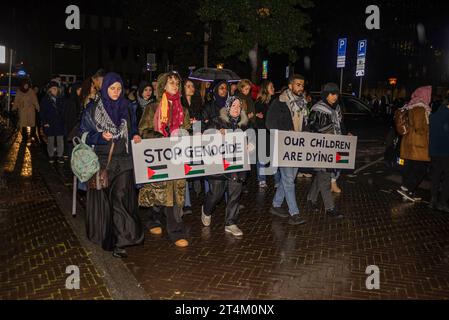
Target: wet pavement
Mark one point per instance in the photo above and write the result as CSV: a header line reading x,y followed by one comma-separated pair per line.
x,y
324,259
37,243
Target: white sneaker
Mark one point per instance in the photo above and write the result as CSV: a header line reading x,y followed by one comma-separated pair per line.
x,y
406,195
304,175
262,184
234,230
206,220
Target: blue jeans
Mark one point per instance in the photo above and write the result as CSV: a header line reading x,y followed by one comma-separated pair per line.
x,y
277,177
335,175
260,177
287,190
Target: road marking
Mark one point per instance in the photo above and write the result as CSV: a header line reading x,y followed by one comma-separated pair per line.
x,y
368,165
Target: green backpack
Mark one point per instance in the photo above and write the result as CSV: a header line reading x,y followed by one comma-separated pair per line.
x,y
84,160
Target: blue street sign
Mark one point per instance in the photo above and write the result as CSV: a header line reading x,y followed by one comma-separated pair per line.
x,y
341,52
342,44
361,48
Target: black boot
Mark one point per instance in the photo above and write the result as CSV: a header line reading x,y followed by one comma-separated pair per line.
x,y
333,213
433,204
119,253
312,206
443,208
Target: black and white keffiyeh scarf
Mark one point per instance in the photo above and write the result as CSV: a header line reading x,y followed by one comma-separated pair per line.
x,y
105,124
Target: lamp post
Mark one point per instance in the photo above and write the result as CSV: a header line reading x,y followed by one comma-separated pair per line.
x,y
3,60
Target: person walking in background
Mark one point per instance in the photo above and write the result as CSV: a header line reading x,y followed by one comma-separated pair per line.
x,y
145,97
112,219
213,107
97,79
325,118
132,95
262,104
193,103
164,119
27,104
244,94
233,89
52,120
284,114
72,115
88,92
415,143
439,155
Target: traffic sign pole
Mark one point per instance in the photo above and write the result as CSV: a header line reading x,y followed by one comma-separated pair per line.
x,y
11,52
360,88
341,80
341,58
361,61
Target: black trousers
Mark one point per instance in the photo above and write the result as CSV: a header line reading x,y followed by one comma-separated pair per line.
x,y
216,194
413,174
168,216
322,184
112,218
33,133
440,179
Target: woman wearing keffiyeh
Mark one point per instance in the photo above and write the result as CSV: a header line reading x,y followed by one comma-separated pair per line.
x,y
112,219
164,119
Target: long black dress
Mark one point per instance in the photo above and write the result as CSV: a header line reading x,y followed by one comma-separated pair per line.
x,y
112,214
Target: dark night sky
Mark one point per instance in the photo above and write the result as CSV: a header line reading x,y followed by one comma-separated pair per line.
x,y
331,19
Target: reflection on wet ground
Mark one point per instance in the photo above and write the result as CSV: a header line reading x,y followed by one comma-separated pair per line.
x,y
324,259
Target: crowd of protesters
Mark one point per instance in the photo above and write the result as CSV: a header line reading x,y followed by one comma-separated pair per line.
x,y
114,117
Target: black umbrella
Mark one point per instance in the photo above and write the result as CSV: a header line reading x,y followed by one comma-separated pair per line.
x,y
212,74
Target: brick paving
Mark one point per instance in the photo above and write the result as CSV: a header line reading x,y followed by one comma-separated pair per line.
x,y
324,259
37,243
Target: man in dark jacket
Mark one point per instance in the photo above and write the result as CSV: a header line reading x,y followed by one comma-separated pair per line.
x,y
232,117
439,155
287,113
325,118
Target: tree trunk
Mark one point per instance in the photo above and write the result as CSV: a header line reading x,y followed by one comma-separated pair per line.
x,y
254,57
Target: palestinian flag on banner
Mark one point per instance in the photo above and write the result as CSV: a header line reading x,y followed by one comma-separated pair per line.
x,y
157,172
194,168
231,164
342,157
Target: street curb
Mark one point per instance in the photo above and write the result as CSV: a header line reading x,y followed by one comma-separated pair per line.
x,y
120,282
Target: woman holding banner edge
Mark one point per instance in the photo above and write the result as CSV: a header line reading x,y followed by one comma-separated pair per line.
x,y
164,119
112,219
